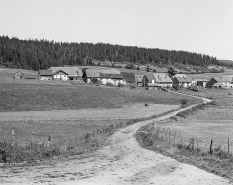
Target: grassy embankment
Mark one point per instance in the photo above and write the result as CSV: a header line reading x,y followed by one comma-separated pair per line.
x,y
187,137
34,140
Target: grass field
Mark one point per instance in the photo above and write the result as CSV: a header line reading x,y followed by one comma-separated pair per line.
x,y
174,136
71,113
61,131
32,95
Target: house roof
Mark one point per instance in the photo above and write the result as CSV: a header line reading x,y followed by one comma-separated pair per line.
x,y
183,79
110,71
129,77
103,73
106,75
150,77
60,71
45,72
92,73
162,77
19,72
200,79
71,71
223,79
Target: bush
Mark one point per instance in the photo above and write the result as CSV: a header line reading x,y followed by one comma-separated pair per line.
x,y
174,118
109,84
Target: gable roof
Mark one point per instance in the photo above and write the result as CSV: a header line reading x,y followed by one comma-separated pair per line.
x,y
45,72
150,77
71,71
129,77
103,73
107,75
92,73
19,72
200,79
223,79
60,71
183,79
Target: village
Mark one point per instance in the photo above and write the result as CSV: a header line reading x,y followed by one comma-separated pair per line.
x,y
119,77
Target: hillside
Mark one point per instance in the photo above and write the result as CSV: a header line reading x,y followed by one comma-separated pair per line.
x,y
227,62
42,54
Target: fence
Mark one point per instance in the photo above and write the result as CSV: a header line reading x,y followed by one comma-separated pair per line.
x,y
158,135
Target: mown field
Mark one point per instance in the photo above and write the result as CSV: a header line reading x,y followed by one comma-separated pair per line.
x,y
33,138
32,95
203,138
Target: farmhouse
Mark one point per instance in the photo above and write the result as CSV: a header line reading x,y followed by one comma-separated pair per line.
x,y
60,75
181,82
73,73
162,79
113,77
220,82
45,75
18,75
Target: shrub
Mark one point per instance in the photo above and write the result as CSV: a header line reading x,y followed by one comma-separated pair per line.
x,y
174,118
132,87
109,84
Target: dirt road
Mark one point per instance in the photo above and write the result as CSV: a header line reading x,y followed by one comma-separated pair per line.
x,y
121,161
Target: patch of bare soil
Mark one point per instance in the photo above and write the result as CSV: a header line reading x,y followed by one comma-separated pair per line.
x,y
121,161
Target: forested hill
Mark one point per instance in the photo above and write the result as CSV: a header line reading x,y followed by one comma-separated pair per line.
x,y
42,54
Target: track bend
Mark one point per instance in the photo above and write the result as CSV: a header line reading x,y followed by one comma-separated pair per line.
x,y
121,161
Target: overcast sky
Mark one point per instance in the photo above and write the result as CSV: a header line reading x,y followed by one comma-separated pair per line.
x,y
202,26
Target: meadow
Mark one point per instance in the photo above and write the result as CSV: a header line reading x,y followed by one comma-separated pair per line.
x,y
201,137
60,130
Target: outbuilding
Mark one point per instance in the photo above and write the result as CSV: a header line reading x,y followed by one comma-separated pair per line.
x,y
18,75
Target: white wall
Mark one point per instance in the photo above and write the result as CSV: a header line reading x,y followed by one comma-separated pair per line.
x,y
62,77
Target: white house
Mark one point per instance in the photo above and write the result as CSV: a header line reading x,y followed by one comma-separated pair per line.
x,y
60,75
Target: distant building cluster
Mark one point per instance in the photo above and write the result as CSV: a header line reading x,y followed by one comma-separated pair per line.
x,y
125,77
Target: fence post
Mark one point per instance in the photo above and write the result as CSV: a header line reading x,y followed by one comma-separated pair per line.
x,y
169,137
211,143
13,137
175,138
197,146
228,147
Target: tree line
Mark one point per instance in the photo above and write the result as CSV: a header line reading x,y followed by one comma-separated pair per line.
x,y
42,54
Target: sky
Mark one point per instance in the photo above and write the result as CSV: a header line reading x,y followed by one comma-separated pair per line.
x,y
201,26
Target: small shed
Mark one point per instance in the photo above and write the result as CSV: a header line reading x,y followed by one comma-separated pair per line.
x,y
18,75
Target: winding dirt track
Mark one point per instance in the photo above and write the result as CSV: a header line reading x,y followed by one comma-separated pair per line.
x,y
121,161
